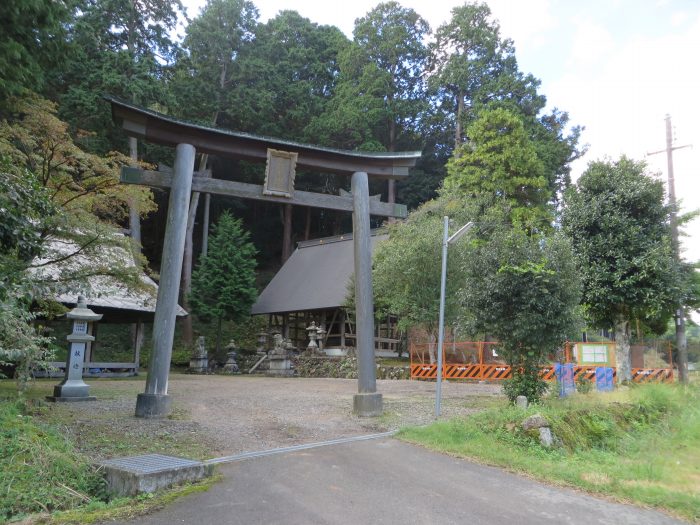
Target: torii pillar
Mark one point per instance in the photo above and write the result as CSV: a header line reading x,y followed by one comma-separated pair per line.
x,y
155,401
367,402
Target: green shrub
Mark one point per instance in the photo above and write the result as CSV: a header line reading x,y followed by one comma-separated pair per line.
x,y
530,385
583,385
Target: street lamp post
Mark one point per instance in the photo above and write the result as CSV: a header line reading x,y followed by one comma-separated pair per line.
x,y
446,239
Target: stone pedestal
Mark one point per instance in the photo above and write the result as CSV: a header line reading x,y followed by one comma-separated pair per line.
x,y
199,361
280,365
152,405
231,366
368,405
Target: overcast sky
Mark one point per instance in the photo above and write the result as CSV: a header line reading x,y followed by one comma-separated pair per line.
x,y
616,66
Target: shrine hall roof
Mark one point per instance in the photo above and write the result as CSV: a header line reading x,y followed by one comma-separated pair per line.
x,y
316,276
163,129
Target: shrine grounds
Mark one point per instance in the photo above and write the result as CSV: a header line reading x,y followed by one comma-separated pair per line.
x,y
639,445
224,415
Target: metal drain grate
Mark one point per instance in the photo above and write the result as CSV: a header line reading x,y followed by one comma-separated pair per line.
x,y
150,463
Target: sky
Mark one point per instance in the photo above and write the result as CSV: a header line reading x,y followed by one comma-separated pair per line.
x,y
618,67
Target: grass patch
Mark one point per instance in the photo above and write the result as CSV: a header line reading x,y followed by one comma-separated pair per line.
x,y
46,452
40,470
125,508
641,445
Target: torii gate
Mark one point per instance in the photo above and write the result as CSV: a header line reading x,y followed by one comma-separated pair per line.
x,y
282,158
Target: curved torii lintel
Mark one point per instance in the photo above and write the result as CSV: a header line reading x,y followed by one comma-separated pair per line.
x,y
162,129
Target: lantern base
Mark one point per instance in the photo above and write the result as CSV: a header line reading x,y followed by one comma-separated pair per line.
x,y
68,399
153,406
73,390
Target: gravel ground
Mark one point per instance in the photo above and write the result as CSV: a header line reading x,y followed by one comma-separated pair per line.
x,y
231,414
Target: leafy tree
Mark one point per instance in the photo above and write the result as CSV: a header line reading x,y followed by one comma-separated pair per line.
x,y
500,165
619,225
70,197
524,291
406,267
26,208
205,73
467,58
30,33
286,77
81,184
119,47
380,92
223,284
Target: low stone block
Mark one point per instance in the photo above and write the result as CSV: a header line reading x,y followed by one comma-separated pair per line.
x,y
368,404
521,401
149,473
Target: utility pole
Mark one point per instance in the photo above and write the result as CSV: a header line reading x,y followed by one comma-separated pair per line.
x,y
681,342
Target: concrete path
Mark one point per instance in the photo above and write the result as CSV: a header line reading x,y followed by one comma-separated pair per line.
x,y
385,481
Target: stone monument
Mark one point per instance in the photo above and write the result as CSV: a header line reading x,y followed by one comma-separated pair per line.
x,y
279,357
199,362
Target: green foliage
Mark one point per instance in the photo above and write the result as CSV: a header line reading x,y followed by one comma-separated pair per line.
x,y
524,291
119,47
500,164
616,218
27,210
81,184
406,267
379,95
223,284
20,345
285,78
30,33
525,382
39,469
205,73
583,385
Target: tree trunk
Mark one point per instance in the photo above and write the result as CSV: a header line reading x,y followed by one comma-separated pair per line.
x,y
218,337
622,348
186,278
134,212
458,119
205,225
681,346
391,190
134,220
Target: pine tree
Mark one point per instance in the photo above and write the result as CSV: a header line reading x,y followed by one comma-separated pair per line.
x,y
223,284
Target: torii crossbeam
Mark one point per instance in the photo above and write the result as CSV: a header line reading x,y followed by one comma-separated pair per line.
x,y
282,158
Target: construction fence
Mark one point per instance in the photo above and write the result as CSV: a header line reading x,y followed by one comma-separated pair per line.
x,y
482,361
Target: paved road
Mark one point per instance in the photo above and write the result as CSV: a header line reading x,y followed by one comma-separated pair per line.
x,y
386,481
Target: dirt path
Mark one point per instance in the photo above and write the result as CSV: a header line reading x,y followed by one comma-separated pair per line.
x,y
225,415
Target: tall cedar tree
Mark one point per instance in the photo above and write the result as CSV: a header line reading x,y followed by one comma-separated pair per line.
x,y
618,222
223,284
500,165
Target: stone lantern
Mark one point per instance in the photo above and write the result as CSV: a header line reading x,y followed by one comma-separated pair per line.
x,y
73,388
321,337
231,366
312,347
